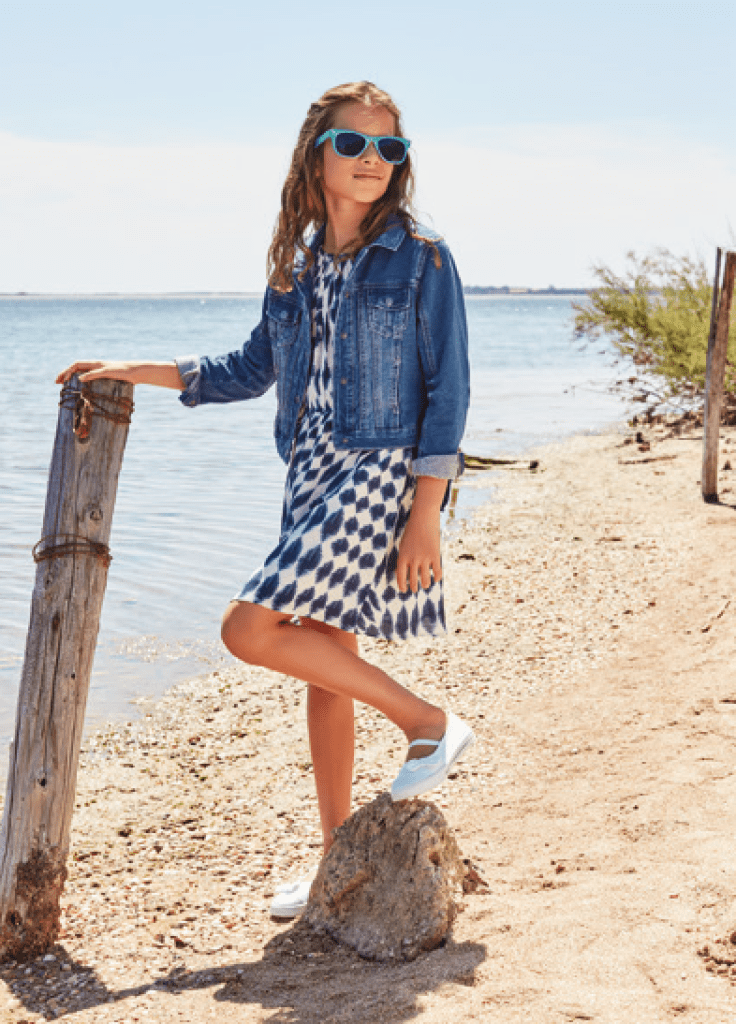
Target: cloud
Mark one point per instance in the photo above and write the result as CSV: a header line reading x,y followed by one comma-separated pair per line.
x,y
538,205
86,217
532,205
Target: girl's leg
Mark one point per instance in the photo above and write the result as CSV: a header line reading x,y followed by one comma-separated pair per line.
x,y
331,723
260,636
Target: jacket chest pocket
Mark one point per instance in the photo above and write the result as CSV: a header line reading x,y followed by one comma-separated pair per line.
x,y
282,324
388,312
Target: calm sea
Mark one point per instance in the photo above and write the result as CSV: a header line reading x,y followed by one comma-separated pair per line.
x,y
199,498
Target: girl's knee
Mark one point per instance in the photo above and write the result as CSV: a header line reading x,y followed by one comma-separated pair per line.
x,y
245,631
229,629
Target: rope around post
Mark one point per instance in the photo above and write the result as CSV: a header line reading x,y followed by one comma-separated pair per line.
x,y
61,544
87,403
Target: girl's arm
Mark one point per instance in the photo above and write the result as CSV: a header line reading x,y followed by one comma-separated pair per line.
x,y
442,336
443,352
419,550
245,373
163,375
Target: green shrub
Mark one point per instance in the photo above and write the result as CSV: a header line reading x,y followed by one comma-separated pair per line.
x,y
658,318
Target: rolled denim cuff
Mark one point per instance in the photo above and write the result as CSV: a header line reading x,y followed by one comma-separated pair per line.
x,y
190,373
446,467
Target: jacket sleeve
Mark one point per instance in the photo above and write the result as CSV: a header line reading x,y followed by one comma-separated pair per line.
x,y
245,373
442,335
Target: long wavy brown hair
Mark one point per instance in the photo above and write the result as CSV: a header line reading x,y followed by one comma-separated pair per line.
x,y
302,199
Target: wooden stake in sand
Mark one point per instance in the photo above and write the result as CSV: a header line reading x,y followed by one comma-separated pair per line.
x,y
72,558
714,374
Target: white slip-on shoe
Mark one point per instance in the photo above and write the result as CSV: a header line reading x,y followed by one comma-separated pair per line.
x,y
291,900
289,886
424,773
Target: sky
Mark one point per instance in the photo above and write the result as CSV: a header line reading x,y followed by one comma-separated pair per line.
x,y
143,146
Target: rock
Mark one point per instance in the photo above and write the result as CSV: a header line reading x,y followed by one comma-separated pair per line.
x,y
391,884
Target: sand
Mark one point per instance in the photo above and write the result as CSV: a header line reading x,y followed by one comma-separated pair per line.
x,y
591,648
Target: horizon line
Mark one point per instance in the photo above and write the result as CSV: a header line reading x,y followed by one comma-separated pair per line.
x,y
467,290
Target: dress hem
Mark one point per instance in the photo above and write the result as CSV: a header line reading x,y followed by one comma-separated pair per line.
x,y
378,635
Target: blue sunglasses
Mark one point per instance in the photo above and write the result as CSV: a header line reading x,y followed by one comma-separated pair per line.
x,y
390,148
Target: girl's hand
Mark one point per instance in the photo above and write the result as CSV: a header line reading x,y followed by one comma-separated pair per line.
x,y
165,375
419,550
94,370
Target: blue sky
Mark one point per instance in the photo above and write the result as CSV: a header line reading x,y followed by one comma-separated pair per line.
x,y
143,146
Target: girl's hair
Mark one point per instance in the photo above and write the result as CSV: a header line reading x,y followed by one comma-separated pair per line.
x,y
302,198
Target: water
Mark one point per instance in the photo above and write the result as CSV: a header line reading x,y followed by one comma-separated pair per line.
x,y
199,497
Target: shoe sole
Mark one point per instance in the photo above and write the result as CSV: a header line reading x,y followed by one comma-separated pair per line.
x,y
465,745
294,909
288,913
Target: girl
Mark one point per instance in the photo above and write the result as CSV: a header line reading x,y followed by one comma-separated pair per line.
x,y
363,331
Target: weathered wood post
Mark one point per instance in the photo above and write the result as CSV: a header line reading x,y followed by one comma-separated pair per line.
x,y
714,374
72,558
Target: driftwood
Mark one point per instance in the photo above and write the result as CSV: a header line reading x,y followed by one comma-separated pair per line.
x,y
72,559
479,462
649,458
714,374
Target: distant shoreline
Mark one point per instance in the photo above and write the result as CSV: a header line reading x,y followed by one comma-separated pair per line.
x,y
473,291
485,290
131,295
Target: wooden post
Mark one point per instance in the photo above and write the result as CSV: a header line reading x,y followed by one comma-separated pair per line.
x,y
715,371
72,558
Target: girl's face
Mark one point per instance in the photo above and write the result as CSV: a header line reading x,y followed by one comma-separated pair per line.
x,y
365,179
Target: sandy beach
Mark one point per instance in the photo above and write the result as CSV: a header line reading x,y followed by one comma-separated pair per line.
x,y
591,648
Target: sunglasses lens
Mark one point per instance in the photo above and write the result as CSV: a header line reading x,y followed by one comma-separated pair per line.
x,y
349,144
392,150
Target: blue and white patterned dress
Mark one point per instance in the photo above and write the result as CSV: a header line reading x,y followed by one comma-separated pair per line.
x,y
344,513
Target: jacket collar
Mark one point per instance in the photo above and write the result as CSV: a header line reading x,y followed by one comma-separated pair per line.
x,y
390,238
393,236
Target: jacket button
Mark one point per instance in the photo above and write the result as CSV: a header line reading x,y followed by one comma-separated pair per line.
x,y
344,381
389,302
344,440
344,335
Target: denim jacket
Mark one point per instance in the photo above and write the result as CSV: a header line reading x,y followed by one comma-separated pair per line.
x,y
401,375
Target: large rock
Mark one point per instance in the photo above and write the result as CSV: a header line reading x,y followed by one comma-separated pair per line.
x,y
392,882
